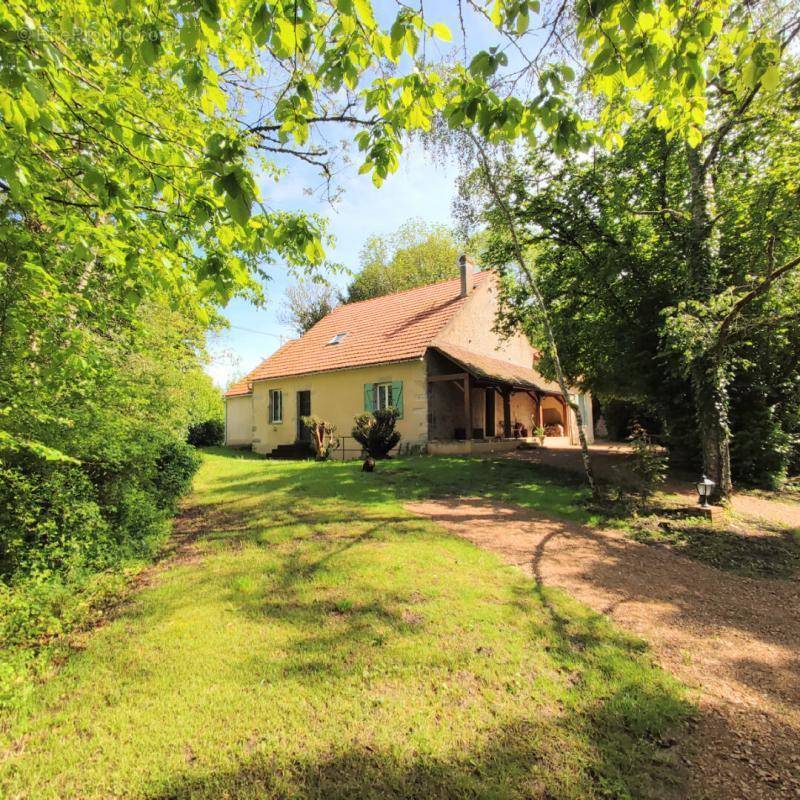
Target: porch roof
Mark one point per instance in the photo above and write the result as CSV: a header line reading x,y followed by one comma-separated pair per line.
x,y
488,368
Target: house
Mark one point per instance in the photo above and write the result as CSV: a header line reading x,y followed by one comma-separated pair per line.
x,y
430,352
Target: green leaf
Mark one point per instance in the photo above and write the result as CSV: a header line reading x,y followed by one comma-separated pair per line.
x,y
397,31
634,64
441,31
285,35
646,21
771,77
148,50
364,9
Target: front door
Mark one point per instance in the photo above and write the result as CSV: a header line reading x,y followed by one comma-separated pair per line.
x,y
303,410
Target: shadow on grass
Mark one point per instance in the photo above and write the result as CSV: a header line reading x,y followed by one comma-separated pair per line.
x,y
232,453
514,761
610,731
773,553
413,478
596,729
686,594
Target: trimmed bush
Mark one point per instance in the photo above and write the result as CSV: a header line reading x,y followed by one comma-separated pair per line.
x,y
174,468
49,518
323,436
376,432
209,433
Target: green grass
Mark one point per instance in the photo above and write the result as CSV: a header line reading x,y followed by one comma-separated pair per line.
x,y
322,642
773,552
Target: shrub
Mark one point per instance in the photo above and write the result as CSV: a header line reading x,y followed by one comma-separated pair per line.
x,y
49,518
323,436
139,524
175,466
621,416
68,532
209,433
376,432
649,463
761,449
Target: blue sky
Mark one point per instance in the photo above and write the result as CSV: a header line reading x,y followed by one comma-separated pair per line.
x,y
420,188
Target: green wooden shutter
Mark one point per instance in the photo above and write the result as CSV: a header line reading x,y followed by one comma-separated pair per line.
x,y
397,396
369,397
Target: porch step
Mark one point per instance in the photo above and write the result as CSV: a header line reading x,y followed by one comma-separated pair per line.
x,y
294,451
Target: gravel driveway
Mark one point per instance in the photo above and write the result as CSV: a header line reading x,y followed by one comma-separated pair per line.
x,y
736,639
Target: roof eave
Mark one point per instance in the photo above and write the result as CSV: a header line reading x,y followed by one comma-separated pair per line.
x,y
346,368
480,376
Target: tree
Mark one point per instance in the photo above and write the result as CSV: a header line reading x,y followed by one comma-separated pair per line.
x,y
416,254
531,284
306,303
611,241
742,65
132,131
323,436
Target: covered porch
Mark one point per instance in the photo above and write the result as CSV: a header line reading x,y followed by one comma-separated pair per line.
x,y
479,404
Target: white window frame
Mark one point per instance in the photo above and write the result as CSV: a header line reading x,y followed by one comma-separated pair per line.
x,y
275,418
384,389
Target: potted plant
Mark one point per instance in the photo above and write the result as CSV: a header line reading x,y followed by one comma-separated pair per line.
x,y
538,434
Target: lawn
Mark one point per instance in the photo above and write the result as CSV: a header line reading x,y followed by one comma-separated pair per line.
x,y
760,550
317,640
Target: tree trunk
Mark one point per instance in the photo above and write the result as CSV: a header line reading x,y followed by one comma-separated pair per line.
x,y
710,386
709,371
533,286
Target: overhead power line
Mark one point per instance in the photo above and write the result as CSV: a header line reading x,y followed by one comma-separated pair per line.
x,y
261,333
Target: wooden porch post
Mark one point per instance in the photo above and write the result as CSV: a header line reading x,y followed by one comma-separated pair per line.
x,y
539,412
507,413
467,409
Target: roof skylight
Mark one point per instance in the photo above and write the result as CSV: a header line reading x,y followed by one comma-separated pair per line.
x,y
338,338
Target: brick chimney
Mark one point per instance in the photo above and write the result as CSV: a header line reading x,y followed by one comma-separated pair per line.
x,y
467,267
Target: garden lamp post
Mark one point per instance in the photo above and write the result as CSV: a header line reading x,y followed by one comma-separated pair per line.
x,y
704,488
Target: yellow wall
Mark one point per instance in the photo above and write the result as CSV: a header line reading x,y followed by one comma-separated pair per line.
x,y
473,327
338,397
238,420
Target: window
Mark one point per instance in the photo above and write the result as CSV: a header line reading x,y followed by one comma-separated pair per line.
x,y
383,396
379,396
338,338
275,405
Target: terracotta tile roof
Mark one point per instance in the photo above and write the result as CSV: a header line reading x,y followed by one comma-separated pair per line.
x,y
395,327
245,385
240,388
483,366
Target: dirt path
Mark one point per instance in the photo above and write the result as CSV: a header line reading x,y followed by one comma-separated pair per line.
x,y
736,639
770,510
